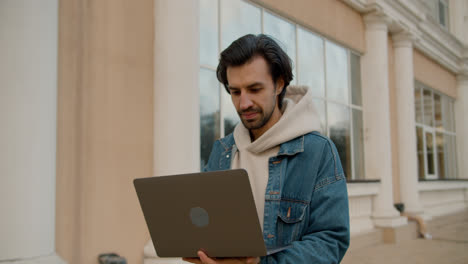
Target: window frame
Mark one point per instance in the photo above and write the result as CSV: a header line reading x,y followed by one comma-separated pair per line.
x,y
434,131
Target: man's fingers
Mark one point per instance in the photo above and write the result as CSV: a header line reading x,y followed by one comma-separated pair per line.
x,y
205,259
252,260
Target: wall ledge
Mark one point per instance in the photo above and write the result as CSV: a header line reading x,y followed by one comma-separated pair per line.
x,y
441,185
368,188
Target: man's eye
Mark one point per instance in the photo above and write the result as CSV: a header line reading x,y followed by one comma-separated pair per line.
x,y
235,92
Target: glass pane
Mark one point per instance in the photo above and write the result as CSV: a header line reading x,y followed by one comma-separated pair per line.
x,y
238,18
356,79
420,148
310,63
337,72
418,105
209,32
430,153
209,113
450,157
319,106
442,13
339,127
428,113
437,111
451,115
441,145
358,144
446,113
231,118
284,33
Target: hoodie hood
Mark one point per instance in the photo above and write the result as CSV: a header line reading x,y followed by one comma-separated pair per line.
x,y
299,118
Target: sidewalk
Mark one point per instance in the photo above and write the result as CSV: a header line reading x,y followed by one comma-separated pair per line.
x,y
449,245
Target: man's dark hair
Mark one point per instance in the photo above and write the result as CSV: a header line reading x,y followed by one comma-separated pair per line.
x,y
248,47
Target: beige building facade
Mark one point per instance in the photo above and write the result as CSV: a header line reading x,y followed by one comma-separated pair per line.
x,y
96,93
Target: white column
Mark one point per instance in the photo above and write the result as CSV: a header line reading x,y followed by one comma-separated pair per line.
x,y
404,83
176,93
28,110
376,113
461,124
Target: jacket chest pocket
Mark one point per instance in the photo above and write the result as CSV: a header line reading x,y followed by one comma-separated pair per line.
x,y
290,221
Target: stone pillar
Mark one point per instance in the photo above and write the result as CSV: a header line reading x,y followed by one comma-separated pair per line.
x,y
461,123
176,93
404,83
376,113
28,110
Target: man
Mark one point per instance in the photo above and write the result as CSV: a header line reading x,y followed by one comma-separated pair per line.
x,y
296,176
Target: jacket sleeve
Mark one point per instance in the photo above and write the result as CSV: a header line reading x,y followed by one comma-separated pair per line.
x,y
327,232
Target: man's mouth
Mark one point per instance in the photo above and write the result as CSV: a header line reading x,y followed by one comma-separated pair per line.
x,y
250,115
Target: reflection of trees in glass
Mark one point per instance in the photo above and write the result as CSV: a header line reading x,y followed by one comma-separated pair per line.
x,y
229,125
209,133
339,134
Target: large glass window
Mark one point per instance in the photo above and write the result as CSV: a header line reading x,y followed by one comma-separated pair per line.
x,y
435,132
330,70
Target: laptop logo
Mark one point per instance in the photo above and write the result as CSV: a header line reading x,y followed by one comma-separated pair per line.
x,y
199,217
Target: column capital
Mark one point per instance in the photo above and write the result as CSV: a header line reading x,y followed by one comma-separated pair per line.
x,y
377,21
403,39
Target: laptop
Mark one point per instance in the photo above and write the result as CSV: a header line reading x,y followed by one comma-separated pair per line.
x,y
210,211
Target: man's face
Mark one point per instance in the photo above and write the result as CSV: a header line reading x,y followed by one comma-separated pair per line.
x,y
254,94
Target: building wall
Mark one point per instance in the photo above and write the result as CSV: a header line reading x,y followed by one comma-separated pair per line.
x,y
331,18
434,75
105,126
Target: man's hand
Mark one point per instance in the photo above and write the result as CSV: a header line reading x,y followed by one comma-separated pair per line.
x,y
204,259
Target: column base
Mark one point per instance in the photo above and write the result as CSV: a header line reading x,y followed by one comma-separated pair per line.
x,y
392,221
51,259
150,256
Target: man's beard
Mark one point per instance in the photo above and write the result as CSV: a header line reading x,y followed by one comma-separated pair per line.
x,y
258,123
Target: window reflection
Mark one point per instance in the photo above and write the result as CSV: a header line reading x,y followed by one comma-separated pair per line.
x,y
238,19
231,118
209,113
339,129
358,141
310,63
418,105
319,106
285,34
356,79
337,72
209,32
427,104
420,151
437,111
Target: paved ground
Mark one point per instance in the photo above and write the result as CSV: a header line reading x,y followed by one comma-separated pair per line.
x,y
449,245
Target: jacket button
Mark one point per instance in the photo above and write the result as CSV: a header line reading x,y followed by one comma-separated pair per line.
x,y
227,156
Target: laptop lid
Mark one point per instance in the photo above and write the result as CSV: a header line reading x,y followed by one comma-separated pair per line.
x,y
210,211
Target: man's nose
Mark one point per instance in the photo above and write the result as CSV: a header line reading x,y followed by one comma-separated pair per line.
x,y
245,101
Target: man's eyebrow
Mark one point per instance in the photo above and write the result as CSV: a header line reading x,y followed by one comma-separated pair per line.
x,y
254,84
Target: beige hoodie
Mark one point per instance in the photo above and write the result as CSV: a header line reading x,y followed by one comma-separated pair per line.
x,y
299,118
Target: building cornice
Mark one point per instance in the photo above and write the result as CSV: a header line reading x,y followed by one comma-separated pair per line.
x,y
428,36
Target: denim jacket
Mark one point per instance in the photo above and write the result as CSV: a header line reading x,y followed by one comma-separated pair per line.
x,y
306,200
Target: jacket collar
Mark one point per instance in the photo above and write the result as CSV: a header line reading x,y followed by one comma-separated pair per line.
x,y
289,148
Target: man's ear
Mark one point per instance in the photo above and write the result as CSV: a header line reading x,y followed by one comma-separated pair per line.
x,y
279,86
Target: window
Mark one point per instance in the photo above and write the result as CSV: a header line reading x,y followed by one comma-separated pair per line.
x,y
439,11
435,132
330,70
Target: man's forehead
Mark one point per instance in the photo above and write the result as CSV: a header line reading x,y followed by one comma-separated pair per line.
x,y
255,70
